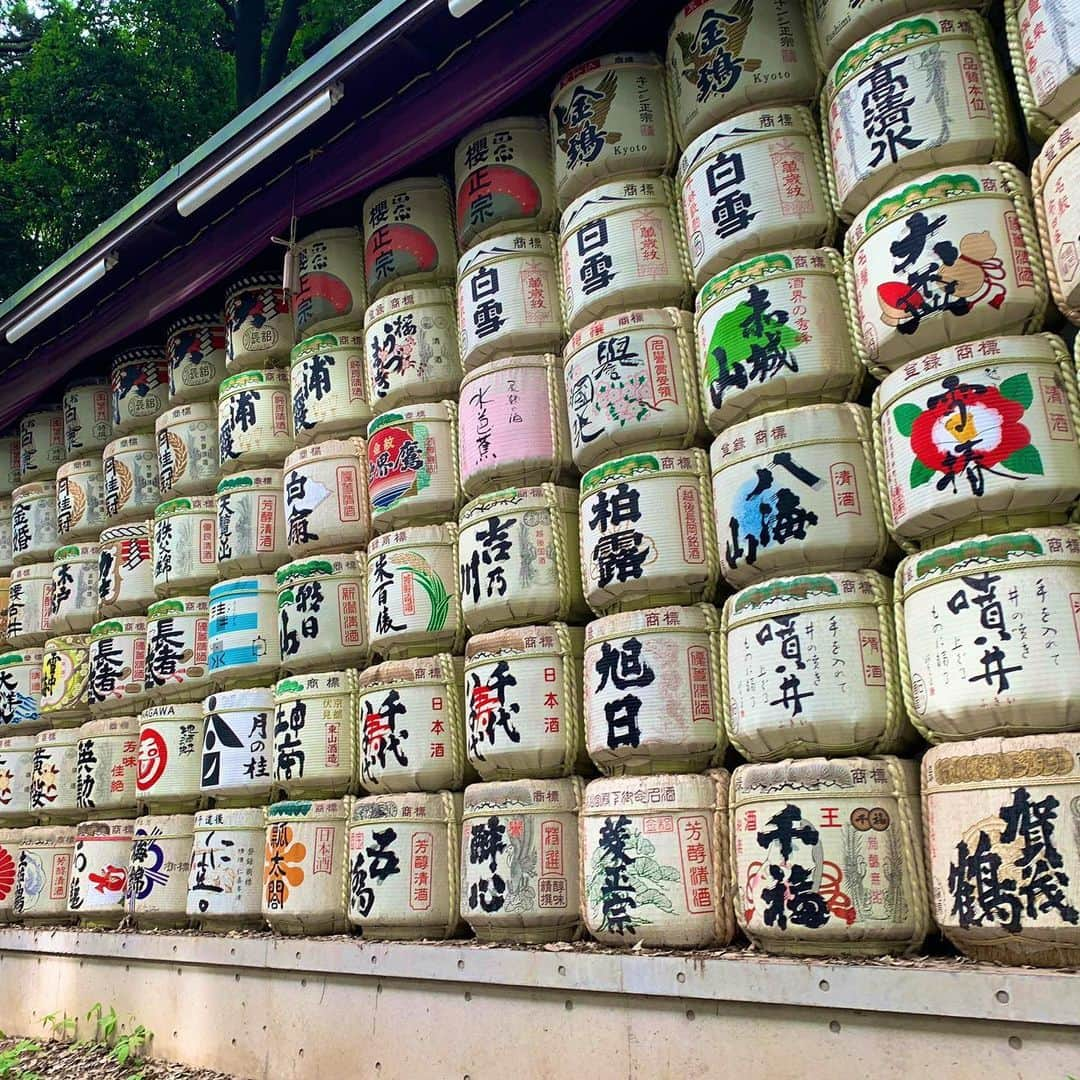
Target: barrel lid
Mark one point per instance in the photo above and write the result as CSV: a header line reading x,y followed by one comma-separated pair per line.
x,y
76,553
526,641
120,626
339,232
65,736
638,320
528,244
626,193
301,810
326,341
188,504
516,796
329,449
1002,762
79,465
1055,150
46,408
442,668
347,564
437,808
214,320
271,376
88,382
413,536
12,837
609,60
543,361
647,465
394,303
36,489
178,605
539,124
190,411
269,480
747,127
128,444
19,743
320,682
655,794
249,281
825,777
118,828
807,592
109,725
699,618
133,531
257,699
405,183
519,499
19,657
67,643
189,711
167,826
445,411
244,817
741,275
47,836
139,354
32,570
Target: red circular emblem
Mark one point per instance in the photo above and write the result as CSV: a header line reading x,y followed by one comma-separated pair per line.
x,y
153,756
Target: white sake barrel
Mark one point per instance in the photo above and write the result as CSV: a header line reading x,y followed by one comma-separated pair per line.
x,y
409,235
10,463
523,714
251,522
828,856
75,588
1055,175
33,522
754,184
99,866
520,559
621,246
329,386
630,382
802,510
187,448
107,766
610,117
329,287
41,888
243,633
258,323
140,389
80,500
11,844
411,726
315,734
41,443
130,467
508,298
412,348
774,332
29,605
504,179
968,616
158,873
979,438
519,860
647,532
321,618
810,668
655,862
1045,58
326,497
117,682
20,692
225,883
195,349
651,691
65,679
87,418
237,741
125,570
185,545
253,419
52,775
1003,855
170,743
176,649
305,879
946,258
413,466
16,766
413,602
727,56
7,558
403,866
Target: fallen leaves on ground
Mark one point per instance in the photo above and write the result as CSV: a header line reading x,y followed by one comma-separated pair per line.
x,y
91,1061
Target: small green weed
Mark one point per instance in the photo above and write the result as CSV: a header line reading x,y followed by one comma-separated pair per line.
x,y
128,1046
11,1061
104,1023
63,1028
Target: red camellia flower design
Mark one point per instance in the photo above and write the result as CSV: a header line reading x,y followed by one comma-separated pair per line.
x,y
7,873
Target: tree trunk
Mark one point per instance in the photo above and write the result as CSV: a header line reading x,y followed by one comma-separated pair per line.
x,y
277,52
249,23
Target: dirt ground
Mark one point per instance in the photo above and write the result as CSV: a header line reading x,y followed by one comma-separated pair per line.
x,y
91,1061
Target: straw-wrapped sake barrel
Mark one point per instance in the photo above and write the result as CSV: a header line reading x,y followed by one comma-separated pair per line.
x,y
130,467
1002,847
7,559
411,344
413,466
651,691
523,713
75,588
925,92
158,873
5,599
225,882
140,389
508,298
654,861
244,647
41,443
806,509
610,118
176,649
774,332
33,522
187,448
512,427
810,668
945,258
1045,54
80,500
125,570
11,843
621,246
329,386
305,878
185,545
65,679
413,600
411,726
251,522
29,605
20,692
409,235
52,775
647,532
16,766
258,323
519,860
827,856
321,617
99,865
117,680
987,635
253,419
170,741
10,463
326,497
106,768
237,740
1055,176
727,56
87,417
403,866
41,886
329,287
195,350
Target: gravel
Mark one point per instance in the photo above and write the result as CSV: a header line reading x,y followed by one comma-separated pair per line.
x,y
91,1061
